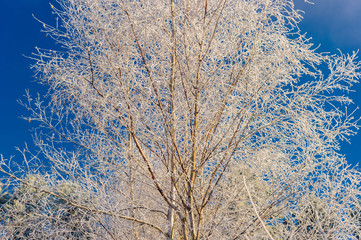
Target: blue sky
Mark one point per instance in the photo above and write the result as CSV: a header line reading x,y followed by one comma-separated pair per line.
x,y
335,24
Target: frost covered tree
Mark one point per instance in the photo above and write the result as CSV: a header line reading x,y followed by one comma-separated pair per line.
x,y
30,213
188,119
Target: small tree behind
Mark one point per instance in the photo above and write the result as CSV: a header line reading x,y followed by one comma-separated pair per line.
x,y
30,213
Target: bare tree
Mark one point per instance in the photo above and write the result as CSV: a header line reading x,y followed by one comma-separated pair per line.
x,y
190,119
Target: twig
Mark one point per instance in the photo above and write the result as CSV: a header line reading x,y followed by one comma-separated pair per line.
x,y
255,209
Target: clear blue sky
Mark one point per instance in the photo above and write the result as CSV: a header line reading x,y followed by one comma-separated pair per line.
x,y
335,24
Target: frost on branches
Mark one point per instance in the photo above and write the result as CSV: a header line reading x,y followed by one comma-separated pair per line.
x,y
185,119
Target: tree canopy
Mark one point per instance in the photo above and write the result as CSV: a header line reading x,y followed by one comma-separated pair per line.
x,y
186,119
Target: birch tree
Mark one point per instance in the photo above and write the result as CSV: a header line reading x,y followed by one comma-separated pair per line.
x,y
189,119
